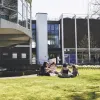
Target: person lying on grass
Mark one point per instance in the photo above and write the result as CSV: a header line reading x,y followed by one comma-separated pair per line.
x,y
64,72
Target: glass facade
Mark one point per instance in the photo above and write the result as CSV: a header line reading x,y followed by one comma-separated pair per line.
x,y
8,10
17,11
24,13
53,35
34,35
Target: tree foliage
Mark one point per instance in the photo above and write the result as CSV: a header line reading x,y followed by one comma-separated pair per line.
x,y
84,42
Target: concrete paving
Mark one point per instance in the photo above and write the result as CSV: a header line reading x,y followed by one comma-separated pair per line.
x,y
25,76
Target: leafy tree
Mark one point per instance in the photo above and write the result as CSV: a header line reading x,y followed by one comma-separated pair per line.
x,y
84,42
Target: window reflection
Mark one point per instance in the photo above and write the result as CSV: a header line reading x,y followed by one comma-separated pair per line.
x,y
53,35
34,35
24,13
52,27
33,26
56,27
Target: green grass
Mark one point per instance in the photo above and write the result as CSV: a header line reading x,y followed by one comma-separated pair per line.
x,y
84,87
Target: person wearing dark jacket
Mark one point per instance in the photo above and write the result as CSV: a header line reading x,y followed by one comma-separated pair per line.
x,y
44,70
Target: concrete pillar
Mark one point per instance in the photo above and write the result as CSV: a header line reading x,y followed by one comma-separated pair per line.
x,y
30,51
41,37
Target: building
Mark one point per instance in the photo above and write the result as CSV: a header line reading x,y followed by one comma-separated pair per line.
x,y
53,37
68,38
15,32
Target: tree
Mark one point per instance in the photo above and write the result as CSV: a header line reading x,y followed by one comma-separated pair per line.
x,y
95,7
84,42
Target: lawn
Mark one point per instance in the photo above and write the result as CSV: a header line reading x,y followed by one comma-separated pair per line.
x,y
84,87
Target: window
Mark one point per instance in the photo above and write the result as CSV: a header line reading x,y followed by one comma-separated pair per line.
x,y
53,35
34,34
52,32
23,55
48,42
48,27
33,26
14,55
56,32
57,27
52,27
5,54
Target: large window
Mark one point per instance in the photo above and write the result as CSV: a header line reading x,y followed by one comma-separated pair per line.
x,y
33,26
0,1
53,35
24,13
8,10
34,35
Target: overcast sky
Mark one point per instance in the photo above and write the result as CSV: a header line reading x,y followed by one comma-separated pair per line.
x,y
55,8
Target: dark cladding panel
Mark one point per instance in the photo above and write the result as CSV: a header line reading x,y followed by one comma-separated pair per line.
x,y
69,33
95,33
82,33
7,59
0,1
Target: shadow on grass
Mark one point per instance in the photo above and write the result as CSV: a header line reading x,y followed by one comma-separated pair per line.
x,y
84,96
93,78
76,97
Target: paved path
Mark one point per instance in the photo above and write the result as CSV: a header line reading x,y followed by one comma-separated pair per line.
x,y
26,76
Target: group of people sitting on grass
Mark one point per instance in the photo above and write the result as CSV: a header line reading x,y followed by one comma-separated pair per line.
x,y
51,70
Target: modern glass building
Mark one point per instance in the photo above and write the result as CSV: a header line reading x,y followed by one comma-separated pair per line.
x,y
68,39
53,36
18,11
15,32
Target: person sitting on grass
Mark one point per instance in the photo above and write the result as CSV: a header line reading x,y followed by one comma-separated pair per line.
x,y
53,68
44,70
64,72
74,71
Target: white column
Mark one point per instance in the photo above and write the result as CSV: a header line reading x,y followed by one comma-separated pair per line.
x,y
88,22
22,10
17,13
30,16
76,38
30,51
62,35
31,34
26,14
89,52
59,36
41,37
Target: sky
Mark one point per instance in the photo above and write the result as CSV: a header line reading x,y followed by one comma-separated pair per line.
x,y
55,8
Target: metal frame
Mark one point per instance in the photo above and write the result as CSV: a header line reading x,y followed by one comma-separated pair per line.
x,y
88,27
76,39
62,35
